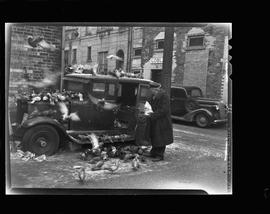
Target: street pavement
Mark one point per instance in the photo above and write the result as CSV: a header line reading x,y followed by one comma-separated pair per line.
x,y
196,160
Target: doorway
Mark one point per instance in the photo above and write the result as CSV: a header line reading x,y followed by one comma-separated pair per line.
x,y
120,63
156,75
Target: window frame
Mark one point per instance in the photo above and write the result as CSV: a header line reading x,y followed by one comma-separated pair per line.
x,y
104,64
74,59
158,42
136,49
194,47
89,59
174,93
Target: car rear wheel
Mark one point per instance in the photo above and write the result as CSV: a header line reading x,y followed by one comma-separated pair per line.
x,y
202,120
41,139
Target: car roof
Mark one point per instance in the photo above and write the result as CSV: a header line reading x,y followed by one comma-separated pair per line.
x,y
186,87
88,77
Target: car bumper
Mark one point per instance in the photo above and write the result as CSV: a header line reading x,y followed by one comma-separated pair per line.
x,y
220,121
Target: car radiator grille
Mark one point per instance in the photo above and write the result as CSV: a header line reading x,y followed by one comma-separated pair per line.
x,y
222,111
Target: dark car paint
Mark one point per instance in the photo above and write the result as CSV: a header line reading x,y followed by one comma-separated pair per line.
x,y
205,105
91,119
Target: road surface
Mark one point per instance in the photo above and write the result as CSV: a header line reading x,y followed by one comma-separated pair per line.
x,y
196,160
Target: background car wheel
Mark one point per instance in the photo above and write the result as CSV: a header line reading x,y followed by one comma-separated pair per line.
x,y
41,139
202,120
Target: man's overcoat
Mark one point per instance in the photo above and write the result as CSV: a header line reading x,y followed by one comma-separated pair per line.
x,y
161,124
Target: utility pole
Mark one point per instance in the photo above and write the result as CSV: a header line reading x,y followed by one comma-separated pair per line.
x,y
62,58
129,51
167,59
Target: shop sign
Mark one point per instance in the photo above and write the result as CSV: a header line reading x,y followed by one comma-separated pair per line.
x,y
156,60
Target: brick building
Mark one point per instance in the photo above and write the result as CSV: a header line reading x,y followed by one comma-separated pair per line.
x,y
199,57
92,45
29,61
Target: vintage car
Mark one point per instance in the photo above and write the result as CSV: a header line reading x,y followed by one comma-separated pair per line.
x,y
188,104
107,106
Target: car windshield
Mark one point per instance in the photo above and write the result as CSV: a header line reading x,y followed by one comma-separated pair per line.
x,y
195,92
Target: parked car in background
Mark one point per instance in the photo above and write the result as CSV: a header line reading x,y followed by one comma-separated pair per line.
x,y
189,104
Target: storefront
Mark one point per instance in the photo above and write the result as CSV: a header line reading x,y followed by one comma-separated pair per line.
x,y
153,68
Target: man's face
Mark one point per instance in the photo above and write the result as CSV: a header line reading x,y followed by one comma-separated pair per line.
x,y
154,91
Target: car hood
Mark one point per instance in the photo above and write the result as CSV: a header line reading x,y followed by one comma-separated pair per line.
x,y
204,100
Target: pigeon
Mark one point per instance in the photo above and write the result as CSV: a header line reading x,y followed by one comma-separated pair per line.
x,y
80,172
135,164
80,95
112,168
94,69
98,166
64,110
35,99
104,155
34,42
101,103
40,42
128,156
94,141
114,57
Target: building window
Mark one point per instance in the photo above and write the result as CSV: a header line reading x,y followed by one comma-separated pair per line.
x,y
138,52
66,54
103,62
74,56
89,59
88,31
159,44
196,42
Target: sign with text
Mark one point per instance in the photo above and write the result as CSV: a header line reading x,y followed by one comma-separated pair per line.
x,y
156,60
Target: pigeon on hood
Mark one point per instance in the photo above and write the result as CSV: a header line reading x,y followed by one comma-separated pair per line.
x,y
64,110
101,103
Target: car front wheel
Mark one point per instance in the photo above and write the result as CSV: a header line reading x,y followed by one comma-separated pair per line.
x,y
202,120
41,139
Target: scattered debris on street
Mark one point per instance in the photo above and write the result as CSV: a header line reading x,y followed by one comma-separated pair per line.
x,y
25,156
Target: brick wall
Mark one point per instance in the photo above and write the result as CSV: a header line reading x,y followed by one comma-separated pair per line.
x,y
36,62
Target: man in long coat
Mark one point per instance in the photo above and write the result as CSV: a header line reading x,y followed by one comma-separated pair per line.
x,y
161,131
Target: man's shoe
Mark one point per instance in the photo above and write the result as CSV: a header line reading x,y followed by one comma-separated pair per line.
x,y
156,159
148,154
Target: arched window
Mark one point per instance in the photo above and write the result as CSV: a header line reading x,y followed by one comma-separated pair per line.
x,y
120,63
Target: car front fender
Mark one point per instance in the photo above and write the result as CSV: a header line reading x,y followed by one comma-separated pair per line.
x,y
44,120
190,116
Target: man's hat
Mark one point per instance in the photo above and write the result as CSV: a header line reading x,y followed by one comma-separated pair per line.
x,y
154,85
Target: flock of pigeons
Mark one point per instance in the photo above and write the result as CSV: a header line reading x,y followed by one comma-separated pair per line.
x,y
99,155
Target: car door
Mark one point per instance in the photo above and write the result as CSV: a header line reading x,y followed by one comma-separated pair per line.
x,y
92,116
178,98
127,98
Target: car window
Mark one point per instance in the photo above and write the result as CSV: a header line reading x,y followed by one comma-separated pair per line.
x,y
119,90
111,89
178,93
195,93
144,91
74,86
98,87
